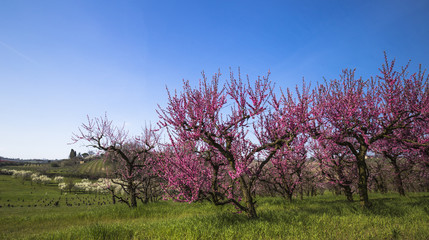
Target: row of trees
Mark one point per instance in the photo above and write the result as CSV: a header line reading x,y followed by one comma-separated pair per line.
x,y
35,177
73,154
226,141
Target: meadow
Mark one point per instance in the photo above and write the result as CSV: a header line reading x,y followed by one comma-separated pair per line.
x,y
92,216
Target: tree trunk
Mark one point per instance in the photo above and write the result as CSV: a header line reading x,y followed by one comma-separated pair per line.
x,y
247,198
348,193
398,181
133,199
289,197
337,190
132,194
363,180
398,177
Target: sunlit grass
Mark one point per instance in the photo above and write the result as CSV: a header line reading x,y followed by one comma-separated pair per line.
x,y
321,217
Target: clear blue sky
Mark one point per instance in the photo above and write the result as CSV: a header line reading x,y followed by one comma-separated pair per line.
x,y
62,60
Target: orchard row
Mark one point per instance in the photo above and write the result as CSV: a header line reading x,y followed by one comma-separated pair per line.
x,y
228,141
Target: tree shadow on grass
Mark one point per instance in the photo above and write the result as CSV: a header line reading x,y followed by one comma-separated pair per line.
x,y
275,211
382,206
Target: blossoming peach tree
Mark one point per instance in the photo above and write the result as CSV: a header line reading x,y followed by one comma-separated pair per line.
x,y
223,135
358,113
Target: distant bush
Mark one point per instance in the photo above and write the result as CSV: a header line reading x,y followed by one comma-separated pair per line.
x,y
55,164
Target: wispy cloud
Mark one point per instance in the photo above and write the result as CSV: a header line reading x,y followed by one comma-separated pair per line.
x,y
7,46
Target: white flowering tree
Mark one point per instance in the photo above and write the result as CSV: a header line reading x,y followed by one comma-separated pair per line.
x,y
22,174
40,179
59,179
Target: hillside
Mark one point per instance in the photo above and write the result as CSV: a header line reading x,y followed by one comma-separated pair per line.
x,y
94,167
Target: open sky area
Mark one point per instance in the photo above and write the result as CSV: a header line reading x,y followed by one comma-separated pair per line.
x,y
63,60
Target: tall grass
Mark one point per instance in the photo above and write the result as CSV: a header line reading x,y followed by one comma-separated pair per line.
x,y
321,217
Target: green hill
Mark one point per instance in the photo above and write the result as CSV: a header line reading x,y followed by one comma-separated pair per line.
x,y
94,167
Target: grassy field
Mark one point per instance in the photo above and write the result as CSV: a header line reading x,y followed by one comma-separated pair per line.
x,y
322,217
93,167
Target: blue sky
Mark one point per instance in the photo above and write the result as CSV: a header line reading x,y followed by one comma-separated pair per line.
x,y
63,60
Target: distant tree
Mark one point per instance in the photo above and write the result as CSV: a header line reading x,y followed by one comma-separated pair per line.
x,y
312,178
401,158
69,185
285,174
380,173
72,154
337,165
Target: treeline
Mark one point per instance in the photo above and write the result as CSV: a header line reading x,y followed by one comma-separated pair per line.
x,y
17,161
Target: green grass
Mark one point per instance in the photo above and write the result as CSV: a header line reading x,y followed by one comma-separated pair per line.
x,y
322,217
93,167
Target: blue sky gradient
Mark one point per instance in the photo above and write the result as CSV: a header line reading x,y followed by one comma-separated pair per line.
x,y
63,60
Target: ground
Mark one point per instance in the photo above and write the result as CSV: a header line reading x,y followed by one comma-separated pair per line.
x,y
322,217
